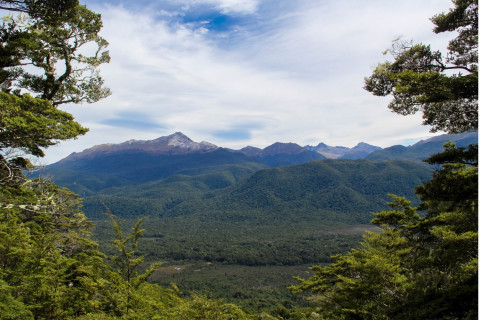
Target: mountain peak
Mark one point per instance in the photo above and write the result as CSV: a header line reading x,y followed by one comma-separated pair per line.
x,y
360,151
251,151
178,139
365,146
174,144
285,148
328,151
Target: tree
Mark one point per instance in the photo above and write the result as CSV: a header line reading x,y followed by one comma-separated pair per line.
x,y
127,265
445,89
26,126
49,266
46,6
40,53
51,45
415,268
424,262
48,262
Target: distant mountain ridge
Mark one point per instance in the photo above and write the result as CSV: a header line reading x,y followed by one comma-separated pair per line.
x,y
424,148
282,154
360,151
134,162
278,154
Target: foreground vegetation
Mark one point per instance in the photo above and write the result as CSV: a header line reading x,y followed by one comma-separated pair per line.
x,y
422,264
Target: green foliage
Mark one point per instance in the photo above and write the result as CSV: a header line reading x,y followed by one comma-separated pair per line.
x,y
420,266
39,8
47,260
422,80
51,44
417,267
29,124
127,264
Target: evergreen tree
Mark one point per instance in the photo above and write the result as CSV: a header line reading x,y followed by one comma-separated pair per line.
x,y
50,268
424,262
445,89
48,263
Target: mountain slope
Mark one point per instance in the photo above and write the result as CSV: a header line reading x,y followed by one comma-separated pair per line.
x,y
136,162
282,154
343,191
360,151
423,149
351,189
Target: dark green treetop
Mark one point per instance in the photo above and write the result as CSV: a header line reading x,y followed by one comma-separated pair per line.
x,y
52,45
445,89
40,53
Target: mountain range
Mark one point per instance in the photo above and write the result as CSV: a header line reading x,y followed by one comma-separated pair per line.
x,y
292,153
424,148
281,202
284,207
202,167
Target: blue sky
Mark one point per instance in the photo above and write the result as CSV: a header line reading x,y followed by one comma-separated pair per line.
x,y
251,72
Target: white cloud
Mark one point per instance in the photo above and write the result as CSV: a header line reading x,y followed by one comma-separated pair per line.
x,y
296,78
227,6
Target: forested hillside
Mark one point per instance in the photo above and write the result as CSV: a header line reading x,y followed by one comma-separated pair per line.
x,y
349,188
299,202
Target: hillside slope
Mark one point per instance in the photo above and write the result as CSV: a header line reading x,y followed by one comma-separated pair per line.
x,y
423,149
345,190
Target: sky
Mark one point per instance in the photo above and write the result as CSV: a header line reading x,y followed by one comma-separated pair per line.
x,y
251,72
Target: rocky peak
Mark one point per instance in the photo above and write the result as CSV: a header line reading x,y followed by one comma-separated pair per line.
x,y
178,139
175,144
329,151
